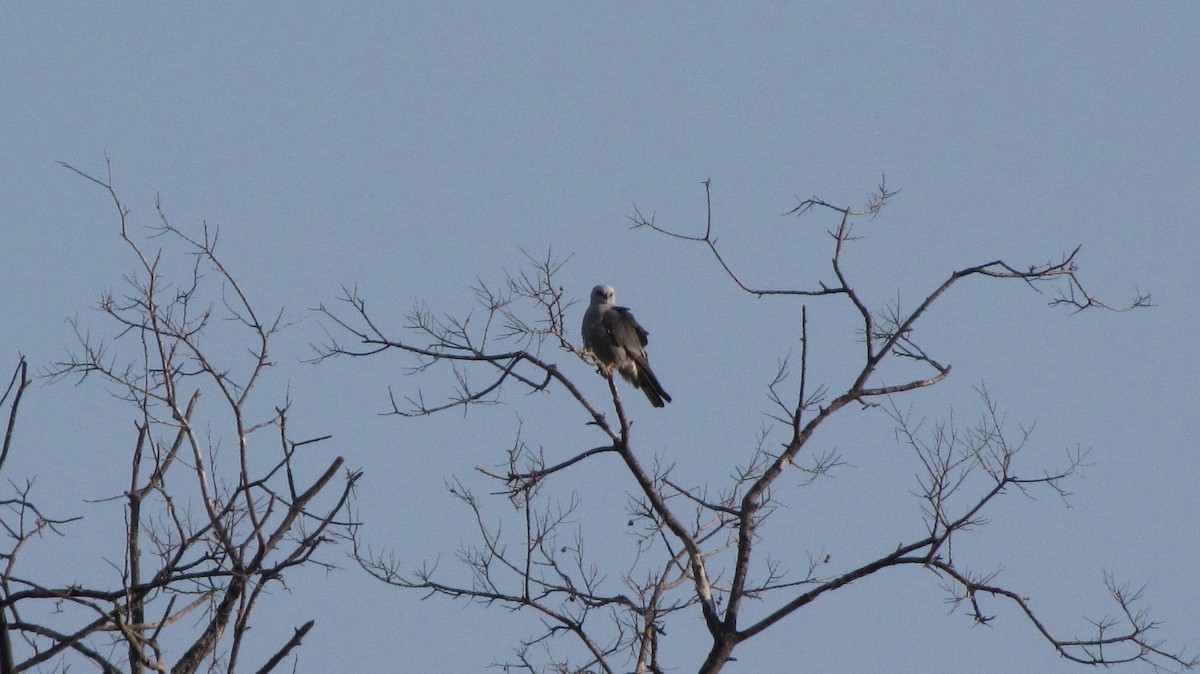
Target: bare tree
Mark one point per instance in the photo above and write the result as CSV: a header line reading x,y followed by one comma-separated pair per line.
x,y
221,503
697,550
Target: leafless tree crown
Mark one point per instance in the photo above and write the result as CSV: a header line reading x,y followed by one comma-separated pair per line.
x,y
221,502
695,548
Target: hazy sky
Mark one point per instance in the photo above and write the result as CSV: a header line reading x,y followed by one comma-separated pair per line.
x,y
412,148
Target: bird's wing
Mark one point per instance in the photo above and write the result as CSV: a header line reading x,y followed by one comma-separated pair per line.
x,y
628,335
593,328
625,331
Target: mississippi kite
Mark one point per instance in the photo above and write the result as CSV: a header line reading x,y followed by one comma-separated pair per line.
x,y
613,335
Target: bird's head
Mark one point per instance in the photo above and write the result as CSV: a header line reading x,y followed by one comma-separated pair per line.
x,y
604,295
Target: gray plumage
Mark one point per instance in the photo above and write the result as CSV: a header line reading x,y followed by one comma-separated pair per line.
x,y
613,335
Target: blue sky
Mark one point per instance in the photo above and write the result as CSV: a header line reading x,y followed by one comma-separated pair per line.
x,y
412,148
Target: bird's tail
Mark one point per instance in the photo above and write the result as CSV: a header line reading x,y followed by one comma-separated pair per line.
x,y
654,391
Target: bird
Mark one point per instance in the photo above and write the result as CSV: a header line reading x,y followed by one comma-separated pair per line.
x,y
616,339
